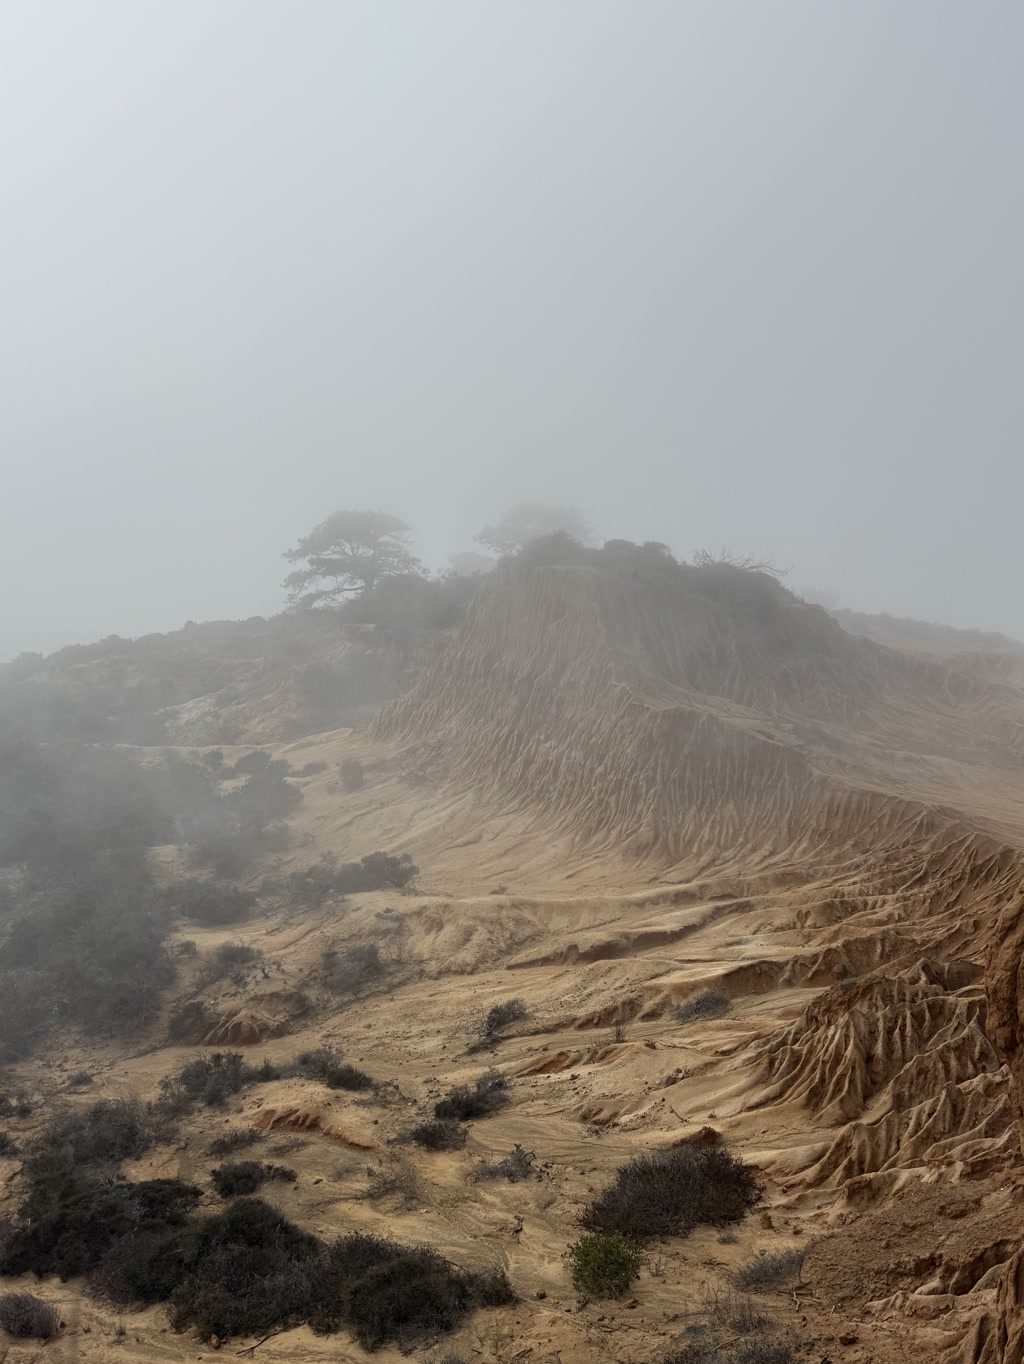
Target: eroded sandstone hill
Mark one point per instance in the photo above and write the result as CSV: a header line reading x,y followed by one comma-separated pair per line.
x,y
738,740
630,786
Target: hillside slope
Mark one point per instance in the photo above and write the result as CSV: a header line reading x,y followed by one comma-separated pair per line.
x,y
627,783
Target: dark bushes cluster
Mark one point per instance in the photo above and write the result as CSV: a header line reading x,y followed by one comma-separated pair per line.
x,y
67,1224
229,960
248,1270
328,878
207,902
190,1022
77,1205
244,1271
210,1078
27,1317
464,1102
235,830
326,1064
668,1193
86,946
246,1176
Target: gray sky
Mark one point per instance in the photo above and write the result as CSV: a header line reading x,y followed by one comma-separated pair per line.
x,y
723,272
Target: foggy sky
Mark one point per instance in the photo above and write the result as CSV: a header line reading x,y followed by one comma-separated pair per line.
x,y
721,272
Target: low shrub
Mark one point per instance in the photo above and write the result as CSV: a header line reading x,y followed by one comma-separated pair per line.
x,y
317,1063
399,1176
328,878
668,1193
326,1064
246,1176
105,1133
442,1134
603,1264
488,1095
230,959
79,1080
27,1317
500,1016
208,903
351,773
515,1167
190,1022
761,1350
349,1077
347,972
15,1103
210,1078
770,1268
8,1146
708,1004
310,769
237,1140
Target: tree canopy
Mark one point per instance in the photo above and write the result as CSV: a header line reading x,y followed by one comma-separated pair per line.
x,y
346,555
530,521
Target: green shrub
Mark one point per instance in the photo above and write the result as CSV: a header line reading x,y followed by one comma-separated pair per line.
x,y
604,1264
246,1176
486,1096
668,1193
28,1317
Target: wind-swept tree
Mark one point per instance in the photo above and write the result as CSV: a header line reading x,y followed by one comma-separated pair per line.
x,y
531,521
346,555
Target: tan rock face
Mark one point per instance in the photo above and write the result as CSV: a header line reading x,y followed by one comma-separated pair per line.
x,y
1004,988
